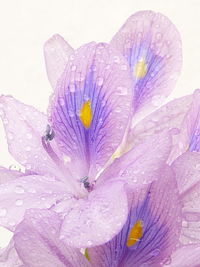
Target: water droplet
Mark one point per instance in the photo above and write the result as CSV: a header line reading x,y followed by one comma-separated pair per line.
x,y
122,90
73,67
28,148
155,252
19,190
10,136
89,243
197,166
72,88
29,135
61,101
123,67
19,202
99,81
3,212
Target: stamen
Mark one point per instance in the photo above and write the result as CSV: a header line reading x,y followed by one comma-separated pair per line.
x,y
48,136
49,133
86,184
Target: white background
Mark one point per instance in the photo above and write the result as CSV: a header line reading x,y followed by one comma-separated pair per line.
x,y
25,25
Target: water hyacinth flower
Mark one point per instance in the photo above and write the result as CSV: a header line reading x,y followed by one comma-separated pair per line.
x,y
131,215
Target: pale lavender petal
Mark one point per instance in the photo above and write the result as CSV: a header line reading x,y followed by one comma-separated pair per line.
x,y
158,209
95,88
26,192
190,136
151,44
169,116
9,175
98,218
186,256
57,52
142,164
38,245
187,170
24,127
9,256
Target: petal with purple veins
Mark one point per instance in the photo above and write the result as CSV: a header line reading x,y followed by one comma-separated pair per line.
x,y
57,52
151,231
152,46
37,242
91,105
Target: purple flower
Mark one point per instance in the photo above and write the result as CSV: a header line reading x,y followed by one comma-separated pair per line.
x,y
128,214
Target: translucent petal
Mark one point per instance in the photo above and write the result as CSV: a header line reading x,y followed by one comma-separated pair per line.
x,y
152,46
158,210
57,52
91,105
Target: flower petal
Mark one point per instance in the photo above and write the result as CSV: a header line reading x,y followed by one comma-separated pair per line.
x,y
187,170
9,256
56,52
25,126
186,256
91,106
142,164
38,244
98,218
168,117
8,175
151,231
152,46
28,192
190,135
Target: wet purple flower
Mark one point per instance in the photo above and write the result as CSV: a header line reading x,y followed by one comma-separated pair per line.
x,y
130,213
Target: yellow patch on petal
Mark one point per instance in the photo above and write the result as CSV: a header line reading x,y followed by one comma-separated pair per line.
x,y
135,234
86,254
86,114
140,69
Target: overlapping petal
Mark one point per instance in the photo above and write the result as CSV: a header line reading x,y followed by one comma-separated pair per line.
x,y
156,215
170,116
8,175
152,46
9,256
187,170
25,126
27,192
37,242
91,106
187,256
56,52
142,164
96,219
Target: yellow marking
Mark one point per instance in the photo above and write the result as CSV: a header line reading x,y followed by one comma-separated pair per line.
x,y
140,69
135,234
86,254
86,114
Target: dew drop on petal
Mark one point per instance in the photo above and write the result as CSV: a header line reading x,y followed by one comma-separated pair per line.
x,y
3,212
19,190
28,148
19,202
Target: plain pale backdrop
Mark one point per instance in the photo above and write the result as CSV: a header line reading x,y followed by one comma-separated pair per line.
x,y
25,25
